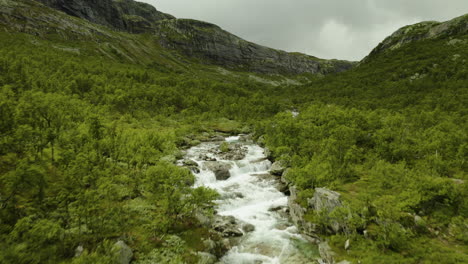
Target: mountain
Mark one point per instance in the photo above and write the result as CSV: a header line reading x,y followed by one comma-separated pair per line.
x,y
126,15
424,31
204,41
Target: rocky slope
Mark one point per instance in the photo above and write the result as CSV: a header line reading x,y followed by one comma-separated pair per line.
x,y
127,15
423,31
210,42
204,41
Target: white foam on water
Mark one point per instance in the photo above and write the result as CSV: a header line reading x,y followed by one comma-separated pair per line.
x,y
267,244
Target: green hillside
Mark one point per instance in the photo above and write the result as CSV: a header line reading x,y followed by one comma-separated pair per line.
x,y
391,137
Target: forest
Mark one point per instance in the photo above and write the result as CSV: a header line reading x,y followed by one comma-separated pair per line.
x,y
88,147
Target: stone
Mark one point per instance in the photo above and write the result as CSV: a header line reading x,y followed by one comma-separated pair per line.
x,y
123,253
347,244
206,258
248,228
227,226
189,163
324,199
245,138
284,176
217,138
326,253
220,169
207,158
234,152
210,245
79,251
277,168
203,219
194,169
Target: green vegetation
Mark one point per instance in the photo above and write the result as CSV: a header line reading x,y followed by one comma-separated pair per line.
x,y
390,136
91,122
87,150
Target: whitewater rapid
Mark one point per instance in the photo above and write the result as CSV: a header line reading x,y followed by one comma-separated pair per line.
x,y
255,201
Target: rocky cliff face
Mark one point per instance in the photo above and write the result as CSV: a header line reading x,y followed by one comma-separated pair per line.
x,y
422,31
126,15
209,42
201,40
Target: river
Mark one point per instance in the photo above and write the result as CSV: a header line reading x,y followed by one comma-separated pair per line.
x,y
255,201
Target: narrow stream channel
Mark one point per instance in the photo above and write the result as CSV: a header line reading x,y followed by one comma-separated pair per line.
x,y
250,195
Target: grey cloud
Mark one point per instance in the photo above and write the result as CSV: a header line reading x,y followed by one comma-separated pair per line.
x,y
344,29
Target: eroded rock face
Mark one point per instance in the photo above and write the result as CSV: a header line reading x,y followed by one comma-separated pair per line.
x,y
198,39
127,15
210,42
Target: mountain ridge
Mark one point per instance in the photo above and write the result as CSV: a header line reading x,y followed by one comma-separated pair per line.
x,y
210,44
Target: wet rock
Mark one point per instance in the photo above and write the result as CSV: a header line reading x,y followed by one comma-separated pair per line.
x,y
245,138
189,163
207,158
248,228
194,169
276,208
282,188
264,176
220,169
258,160
206,258
123,253
217,138
267,152
232,195
227,226
278,168
234,152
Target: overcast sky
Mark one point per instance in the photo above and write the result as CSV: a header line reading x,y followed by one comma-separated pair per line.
x,y
342,29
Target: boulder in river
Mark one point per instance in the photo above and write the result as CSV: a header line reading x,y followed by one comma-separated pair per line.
x,y
234,152
277,168
220,169
227,226
189,163
248,228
